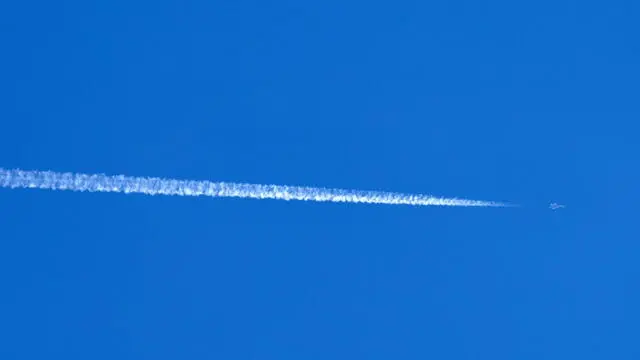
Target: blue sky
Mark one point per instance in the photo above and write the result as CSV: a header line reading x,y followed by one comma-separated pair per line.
x,y
499,100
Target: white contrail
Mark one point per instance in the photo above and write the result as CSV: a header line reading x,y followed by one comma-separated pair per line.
x,y
157,186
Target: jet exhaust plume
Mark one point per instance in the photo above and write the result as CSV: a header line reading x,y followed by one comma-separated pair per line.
x,y
157,186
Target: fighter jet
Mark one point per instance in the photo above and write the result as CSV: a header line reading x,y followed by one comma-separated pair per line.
x,y
555,206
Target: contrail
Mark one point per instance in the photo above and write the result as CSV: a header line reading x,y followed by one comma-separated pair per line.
x,y
156,186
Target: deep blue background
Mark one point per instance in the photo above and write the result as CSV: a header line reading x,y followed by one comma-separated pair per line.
x,y
528,102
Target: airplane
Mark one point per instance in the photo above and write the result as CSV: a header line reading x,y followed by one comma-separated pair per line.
x,y
555,206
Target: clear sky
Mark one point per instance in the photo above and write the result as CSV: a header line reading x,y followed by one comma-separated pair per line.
x,y
525,102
